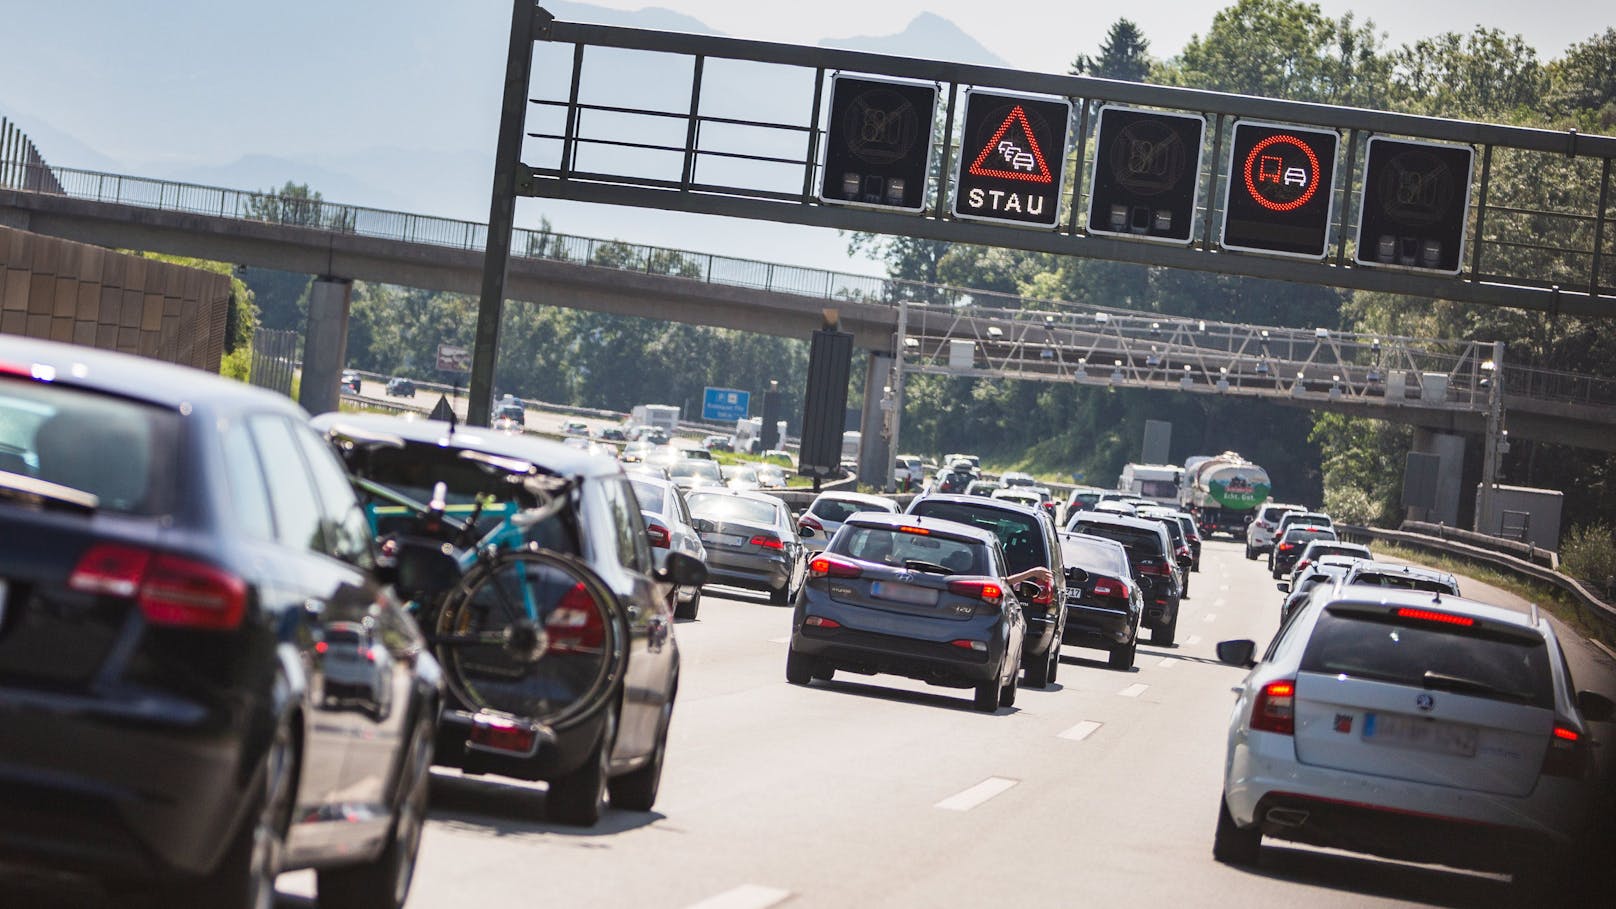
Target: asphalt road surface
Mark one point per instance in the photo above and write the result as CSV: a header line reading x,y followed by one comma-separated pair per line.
x,y
879,791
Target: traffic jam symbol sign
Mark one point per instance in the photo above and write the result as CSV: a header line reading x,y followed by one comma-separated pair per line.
x,y
1013,149
1281,191
1416,203
878,143
1147,174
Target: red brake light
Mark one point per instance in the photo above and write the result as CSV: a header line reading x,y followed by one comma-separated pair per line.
x,y
1568,754
768,542
575,626
110,569
1106,587
499,734
827,567
963,644
915,530
1154,567
978,588
1427,615
659,536
1275,708
1566,733
1287,546
809,520
1302,564
821,622
321,647
169,590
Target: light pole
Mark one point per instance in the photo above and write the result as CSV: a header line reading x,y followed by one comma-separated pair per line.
x,y
1495,442
892,402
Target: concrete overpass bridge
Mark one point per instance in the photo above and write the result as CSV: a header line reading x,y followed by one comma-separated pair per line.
x,y
1443,386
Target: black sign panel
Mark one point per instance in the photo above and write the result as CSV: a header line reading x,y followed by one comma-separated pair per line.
x,y
1147,173
878,143
1281,191
1416,199
1012,152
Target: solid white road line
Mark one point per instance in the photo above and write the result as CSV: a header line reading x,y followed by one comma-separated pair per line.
x,y
1080,732
746,896
784,640
976,795
1135,690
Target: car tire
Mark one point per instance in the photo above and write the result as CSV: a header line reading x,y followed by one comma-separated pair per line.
x,y
987,694
823,672
1165,634
1251,554
1007,693
799,668
384,882
637,791
1232,844
1037,674
782,596
578,798
1122,655
246,873
1054,657
687,610
1186,594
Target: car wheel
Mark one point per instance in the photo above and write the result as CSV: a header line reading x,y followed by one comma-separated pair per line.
x,y
1007,693
1232,844
824,673
1165,634
578,799
1037,675
637,791
987,694
384,882
1186,593
799,668
782,596
1054,658
688,610
1251,554
1122,655
245,875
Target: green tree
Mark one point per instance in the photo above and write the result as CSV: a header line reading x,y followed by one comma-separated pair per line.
x,y
1484,75
297,205
1581,87
1124,55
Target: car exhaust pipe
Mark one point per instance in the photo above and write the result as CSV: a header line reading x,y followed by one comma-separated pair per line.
x,y
1287,817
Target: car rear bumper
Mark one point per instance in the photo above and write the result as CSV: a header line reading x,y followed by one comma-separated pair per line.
x,y
1093,626
750,571
559,751
147,788
870,652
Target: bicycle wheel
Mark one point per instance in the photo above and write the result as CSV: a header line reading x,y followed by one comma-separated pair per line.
x,y
534,634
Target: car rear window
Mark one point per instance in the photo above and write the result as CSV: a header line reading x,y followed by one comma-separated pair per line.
x,y
120,451
837,509
1138,541
1019,534
1308,534
649,494
1092,555
731,508
1432,655
1401,581
913,551
1158,489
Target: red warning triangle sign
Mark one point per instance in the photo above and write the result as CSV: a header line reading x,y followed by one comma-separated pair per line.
x,y
1015,156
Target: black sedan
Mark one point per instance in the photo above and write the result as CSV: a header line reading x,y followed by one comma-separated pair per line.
x,y
752,541
1104,602
911,596
1289,547
167,615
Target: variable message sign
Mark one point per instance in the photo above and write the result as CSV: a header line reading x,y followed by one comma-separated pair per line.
x,y
878,143
1012,152
1147,174
1281,191
1416,202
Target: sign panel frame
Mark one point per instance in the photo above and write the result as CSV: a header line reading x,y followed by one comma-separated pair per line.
x,y
715,409
1464,213
1053,165
1100,152
454,358
1238,176
833,171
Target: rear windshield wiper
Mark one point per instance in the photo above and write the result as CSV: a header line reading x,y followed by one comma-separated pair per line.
x,y
1441,681
928,567
41,493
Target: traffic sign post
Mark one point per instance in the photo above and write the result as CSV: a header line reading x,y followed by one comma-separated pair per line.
x,y
1281,191
1147,174
725,405
878,143
1416,202
1012,158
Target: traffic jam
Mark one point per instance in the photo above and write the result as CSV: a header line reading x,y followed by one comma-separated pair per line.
x,y
240,646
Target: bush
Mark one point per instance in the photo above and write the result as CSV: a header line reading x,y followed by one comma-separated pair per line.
x,y
1354,505
1589,554
237,364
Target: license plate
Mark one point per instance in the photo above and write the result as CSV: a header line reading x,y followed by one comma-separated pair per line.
x,y
1419,734
723,539
903,593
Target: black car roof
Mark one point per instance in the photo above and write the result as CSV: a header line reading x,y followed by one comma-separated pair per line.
x,y
1119,520
137,378
952,528
553,457
980,502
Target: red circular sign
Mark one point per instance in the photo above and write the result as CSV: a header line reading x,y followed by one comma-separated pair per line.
x,y
1279,174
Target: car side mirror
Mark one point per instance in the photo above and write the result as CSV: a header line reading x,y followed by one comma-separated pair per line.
x,y
1595,707
683,570
1028,590
803,530
703,525
1239,652
1284,586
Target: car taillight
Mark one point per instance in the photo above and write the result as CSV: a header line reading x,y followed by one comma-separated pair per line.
x,y
1154,567
1568,754
977,588
659,536
963,644
768,542
1302,564
1430,615
575,626
809,520
819,621
1284,546
169,590
1106,587
827,567
1275,708
500,734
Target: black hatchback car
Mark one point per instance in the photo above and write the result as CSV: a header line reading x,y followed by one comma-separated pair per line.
x,y
1028,537
1150,555
182,554
613,747
1104,603
911,596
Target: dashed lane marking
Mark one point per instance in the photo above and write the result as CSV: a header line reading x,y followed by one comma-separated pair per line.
x,y
1080,732
746,896
976,795
1192,640
1135,690
1167,663
1209,617
784,640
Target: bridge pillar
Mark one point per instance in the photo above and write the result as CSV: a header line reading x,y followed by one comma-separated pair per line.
x,y
875,451
325,344
1449,478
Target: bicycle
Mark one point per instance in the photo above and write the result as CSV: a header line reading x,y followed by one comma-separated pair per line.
x,y
520,629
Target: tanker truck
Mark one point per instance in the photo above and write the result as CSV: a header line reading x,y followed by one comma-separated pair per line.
x,y
1223,492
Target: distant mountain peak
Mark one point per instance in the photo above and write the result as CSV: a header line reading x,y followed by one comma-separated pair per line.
x,y
928,36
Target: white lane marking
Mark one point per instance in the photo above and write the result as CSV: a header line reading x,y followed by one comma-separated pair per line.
x,y
1135,690
1192,640
1167,663
976,795
1223,587
1209,617
784,640
1080,732
746,896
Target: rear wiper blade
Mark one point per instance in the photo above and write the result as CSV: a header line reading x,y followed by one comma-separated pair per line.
x,y
928,567
42,493
1441,681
